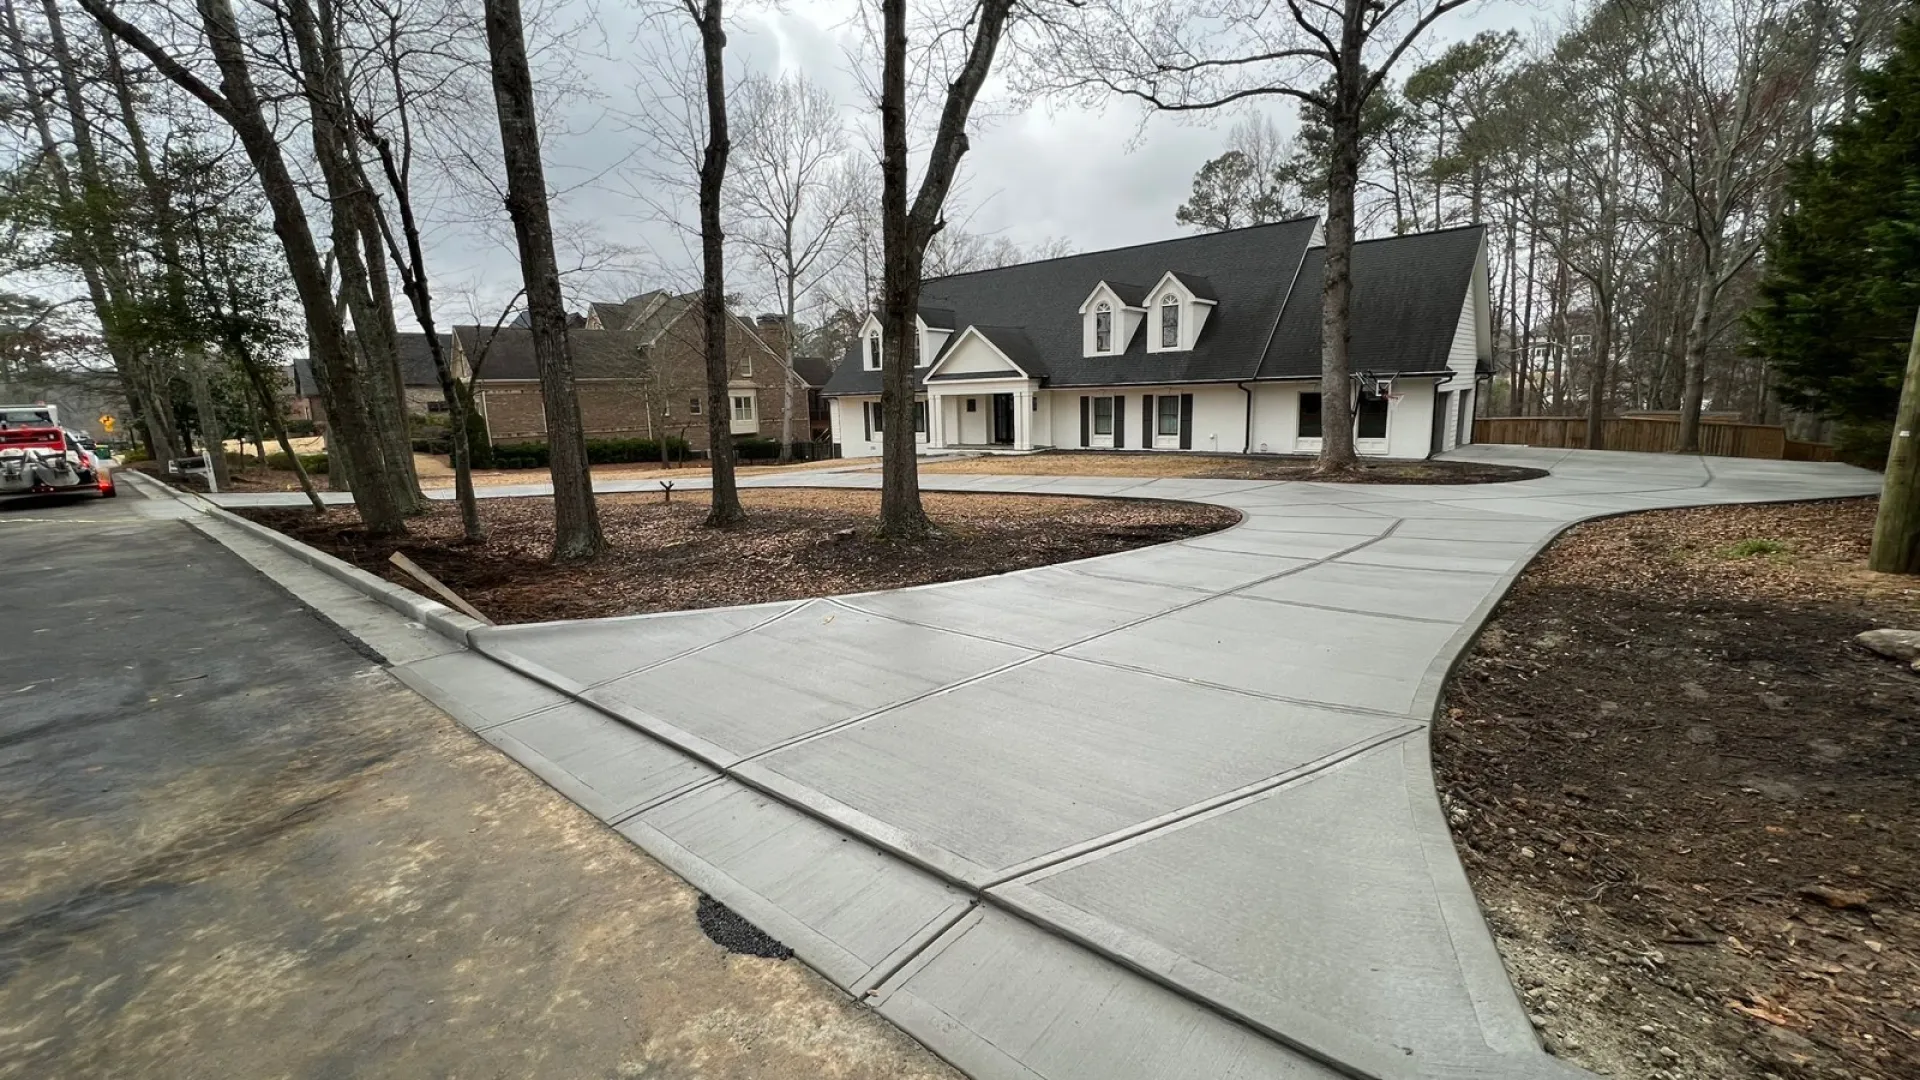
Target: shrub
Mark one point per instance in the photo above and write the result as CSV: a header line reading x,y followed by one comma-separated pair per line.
x,y
1746,549
599,452
298,428
316,464
1864,443
756,448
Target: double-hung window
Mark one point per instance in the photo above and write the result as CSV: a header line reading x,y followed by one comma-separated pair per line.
x,y
1103,328
1169,321
1103,416
1167,415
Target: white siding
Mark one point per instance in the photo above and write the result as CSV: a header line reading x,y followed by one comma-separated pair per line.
x,y
1276,421
850,427
1410,420
973,355
1219,415
1464,353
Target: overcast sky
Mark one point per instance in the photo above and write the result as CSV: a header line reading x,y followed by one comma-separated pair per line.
x,y
1097,178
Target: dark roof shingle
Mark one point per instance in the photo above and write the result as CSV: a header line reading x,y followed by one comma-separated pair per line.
x,y
508,353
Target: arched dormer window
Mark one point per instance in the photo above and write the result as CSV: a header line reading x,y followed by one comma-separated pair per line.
x,y
1103,327
1169,321
873,352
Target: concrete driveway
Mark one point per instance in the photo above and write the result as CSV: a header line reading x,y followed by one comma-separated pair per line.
x,y
1166,813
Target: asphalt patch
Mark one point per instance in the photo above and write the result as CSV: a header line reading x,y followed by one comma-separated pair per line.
x,y
725,928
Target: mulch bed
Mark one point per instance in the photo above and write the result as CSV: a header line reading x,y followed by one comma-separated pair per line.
x,y
796,543
1234,467
1690,805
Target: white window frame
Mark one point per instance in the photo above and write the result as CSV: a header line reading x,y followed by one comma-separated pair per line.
x,y
1096,437
1162,438
873,351
693,406
748,424
1103,327
1169,303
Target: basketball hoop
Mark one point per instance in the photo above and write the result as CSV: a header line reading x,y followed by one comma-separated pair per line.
x,y
1376,386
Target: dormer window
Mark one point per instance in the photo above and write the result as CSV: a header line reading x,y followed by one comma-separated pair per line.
x,y
1103,328
1169,321
873,352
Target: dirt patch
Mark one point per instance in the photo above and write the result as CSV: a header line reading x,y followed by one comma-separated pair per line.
x,y
795,544
1230,467
1689,803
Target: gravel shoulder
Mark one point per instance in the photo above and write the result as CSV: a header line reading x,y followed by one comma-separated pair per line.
x,y
1689,804
797,543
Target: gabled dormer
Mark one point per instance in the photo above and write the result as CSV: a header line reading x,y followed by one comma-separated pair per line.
x,y
1178,304
1110,317
932,327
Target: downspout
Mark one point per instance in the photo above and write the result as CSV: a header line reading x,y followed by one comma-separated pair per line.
x,y
1246,446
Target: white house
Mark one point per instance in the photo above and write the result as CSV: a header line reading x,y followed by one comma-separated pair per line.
x,y
1204,343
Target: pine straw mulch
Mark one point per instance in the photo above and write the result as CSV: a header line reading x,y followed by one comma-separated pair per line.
x,y
1229,467
1690,805
796,543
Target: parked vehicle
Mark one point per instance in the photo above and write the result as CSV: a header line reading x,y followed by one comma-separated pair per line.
x,y
37,415
43,459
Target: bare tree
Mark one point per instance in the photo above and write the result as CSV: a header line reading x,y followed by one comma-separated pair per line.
x,y
1722,110
791,201
1331,55
576,518
707,16
380,488
906,231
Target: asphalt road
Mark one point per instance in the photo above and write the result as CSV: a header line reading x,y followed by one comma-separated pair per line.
x,y
232,845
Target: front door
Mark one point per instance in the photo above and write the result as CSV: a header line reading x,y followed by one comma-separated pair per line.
x,y
1002,420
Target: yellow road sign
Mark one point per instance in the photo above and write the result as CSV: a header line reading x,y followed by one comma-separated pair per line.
x,y
106,424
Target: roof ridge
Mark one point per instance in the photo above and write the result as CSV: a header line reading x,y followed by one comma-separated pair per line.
x,y
1126,247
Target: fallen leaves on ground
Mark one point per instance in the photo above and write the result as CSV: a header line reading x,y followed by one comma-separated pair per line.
x,y
795,543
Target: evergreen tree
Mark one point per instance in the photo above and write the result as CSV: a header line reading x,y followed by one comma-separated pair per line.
x,y
1837,304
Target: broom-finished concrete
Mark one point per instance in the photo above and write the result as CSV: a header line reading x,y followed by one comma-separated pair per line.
x,y
1165,813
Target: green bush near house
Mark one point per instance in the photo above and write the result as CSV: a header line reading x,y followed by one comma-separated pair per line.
x,y
300,429
315,464
756,448
599,452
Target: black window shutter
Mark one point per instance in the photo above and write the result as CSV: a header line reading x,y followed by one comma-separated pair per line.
x,y
1119,421
1086,421
1186,421
866,419
1146,422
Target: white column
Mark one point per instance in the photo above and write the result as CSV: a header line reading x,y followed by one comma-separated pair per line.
x,y
1023,420
936,424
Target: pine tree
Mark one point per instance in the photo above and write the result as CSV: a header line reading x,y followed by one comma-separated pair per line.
x,y
1843,264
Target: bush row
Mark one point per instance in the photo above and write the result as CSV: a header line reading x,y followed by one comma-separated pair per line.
x,y
599,452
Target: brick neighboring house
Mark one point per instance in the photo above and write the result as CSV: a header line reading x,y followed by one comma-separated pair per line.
x,y
625,357
417,376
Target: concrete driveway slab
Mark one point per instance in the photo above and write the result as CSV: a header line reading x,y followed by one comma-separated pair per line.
x,y
823,664
1042,609
1002,998
605,766
1059,753
1312,899
1361,661
1431,595
579,655
1198,771
1187,567
476,691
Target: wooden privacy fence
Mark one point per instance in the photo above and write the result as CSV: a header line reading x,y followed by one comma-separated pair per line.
x,y
1655,435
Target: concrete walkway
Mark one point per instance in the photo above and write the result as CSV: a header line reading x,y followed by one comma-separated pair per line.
x,y
1161,814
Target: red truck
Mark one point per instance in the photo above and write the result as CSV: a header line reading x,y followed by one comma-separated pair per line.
x,y
38,457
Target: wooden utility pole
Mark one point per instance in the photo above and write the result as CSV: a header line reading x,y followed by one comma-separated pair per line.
x,y
1896,532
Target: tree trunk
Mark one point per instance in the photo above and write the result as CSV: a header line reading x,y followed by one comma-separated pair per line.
x,y
1336,383
1693,394
576,519
901,515
1896,531
786,383
725,510
1597,378
271,406
239,105
212,431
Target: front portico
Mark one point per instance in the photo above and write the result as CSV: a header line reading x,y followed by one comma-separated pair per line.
x,y
983,393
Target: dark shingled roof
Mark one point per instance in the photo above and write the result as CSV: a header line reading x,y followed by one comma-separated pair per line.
x,y
938,318
1130,295
416,364
813,370
1407,293
1200,287
597,354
